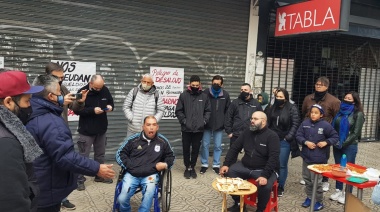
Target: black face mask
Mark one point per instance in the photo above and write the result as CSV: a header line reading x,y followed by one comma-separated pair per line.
x,y
347,102
60,83
279,102
243,96
216,87
24,113
94,91
194,89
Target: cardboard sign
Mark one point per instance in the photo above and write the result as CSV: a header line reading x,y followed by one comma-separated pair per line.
x,y
353,204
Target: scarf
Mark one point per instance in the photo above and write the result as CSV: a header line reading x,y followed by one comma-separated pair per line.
x,y
15,126
318,96
215,93
344,127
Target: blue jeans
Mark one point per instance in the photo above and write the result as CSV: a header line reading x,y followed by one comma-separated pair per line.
x,y
218,135
284,158
350,152
130,184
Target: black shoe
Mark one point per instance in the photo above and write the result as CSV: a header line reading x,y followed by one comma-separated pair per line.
x,y
203,170
236,208
98,179
280,191
193,174
108,181
81,187
186,174
68,205
216,170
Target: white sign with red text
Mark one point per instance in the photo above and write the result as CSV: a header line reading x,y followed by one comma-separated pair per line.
x,y
76,75
1,62
169,83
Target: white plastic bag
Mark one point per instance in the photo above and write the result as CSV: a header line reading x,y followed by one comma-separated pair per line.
x,y
376,194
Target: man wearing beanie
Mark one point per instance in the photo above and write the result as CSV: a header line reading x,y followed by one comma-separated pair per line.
x,y
193,112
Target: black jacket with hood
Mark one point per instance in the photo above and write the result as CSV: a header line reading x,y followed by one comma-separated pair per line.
x,y
219,107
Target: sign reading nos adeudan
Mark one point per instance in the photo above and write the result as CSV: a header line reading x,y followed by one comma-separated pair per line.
x,y
307,17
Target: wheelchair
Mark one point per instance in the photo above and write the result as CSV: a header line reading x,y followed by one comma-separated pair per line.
x,y
162,193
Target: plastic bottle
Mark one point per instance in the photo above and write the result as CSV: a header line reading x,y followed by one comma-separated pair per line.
x,y
343,161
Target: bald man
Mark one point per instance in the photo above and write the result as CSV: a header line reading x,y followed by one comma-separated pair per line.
x,y
260,161
93,123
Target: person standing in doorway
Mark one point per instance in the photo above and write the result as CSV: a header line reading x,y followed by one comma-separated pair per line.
x,y
93,123
193,111
220,101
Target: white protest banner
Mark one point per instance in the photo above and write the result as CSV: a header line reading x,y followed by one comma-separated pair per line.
x,y
169,83
76,75
1,62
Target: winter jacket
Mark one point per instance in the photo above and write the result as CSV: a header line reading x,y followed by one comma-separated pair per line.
x,y
239,114
219,107
284,121
144,105
193,110
261,151
329,103
140,156
315,132
89,122
356,121
75,105
56,167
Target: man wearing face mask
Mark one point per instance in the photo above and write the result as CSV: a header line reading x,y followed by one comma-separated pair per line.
x,y
56,168
93,123
260,161
19,191
239,113
143,100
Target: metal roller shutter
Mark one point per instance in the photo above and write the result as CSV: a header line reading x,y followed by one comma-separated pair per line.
x,y
125,38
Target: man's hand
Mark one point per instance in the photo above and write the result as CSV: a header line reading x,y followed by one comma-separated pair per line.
x,y
230,135
161,166
322,144
98,110
109,108
106,171
84,95
262,181
68,99
310,145
223,170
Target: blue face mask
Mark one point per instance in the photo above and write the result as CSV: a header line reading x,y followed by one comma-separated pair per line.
x,y
60,99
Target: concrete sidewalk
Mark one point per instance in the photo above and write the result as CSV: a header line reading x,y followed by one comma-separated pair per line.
x,y
198,194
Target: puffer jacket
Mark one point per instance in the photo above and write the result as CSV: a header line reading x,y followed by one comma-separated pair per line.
x,y
143,105
219,107
356,121
55,169
315,132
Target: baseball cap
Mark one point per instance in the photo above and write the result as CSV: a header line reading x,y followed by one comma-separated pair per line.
x,y
319,108
13,83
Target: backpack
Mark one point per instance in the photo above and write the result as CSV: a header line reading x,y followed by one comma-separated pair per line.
x,y
136,89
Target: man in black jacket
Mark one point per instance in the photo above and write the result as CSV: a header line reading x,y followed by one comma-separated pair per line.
x,y
260,161
220,101
193,112
239,113
93,123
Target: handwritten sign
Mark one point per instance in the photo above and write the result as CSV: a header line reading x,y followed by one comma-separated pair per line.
x,y
76,75
1,62
169,83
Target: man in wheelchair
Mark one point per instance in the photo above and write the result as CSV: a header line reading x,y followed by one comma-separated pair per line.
x,y
143,156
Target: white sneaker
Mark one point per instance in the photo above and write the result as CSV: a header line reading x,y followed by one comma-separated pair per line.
x,y
342,198
302,182
325,186
335,196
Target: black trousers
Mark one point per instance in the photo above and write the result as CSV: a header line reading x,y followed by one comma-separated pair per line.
x,y
190,155
54,208
263,192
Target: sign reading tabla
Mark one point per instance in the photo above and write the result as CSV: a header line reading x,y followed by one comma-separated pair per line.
x,y
307,17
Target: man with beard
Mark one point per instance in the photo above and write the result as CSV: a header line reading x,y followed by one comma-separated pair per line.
x,y
18,147
260,161
239,113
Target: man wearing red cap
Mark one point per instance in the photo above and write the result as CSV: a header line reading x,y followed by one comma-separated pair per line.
x,y
18,147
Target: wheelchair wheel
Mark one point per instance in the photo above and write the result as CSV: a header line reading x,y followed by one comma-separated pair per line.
x,y
166,190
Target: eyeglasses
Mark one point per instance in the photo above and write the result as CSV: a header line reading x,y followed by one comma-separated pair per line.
x,y
60,78
255,119
319,84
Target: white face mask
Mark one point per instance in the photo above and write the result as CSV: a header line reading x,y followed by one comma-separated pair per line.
x,y
145,87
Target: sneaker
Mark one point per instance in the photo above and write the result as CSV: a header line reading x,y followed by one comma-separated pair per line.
x,y
236,208
280,191
203,170
335,196
186,174
102,180
342,198
318,206
216,170
193,174
108,181
302,182
68,205
325,186
307,203
81,187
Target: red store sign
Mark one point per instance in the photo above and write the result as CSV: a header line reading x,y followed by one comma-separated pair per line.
x,y
307,17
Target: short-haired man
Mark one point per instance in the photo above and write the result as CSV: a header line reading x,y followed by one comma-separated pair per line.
x,y
260,161
142,101
193,112
18,148
143,157
239,113
220,101
55,169
93,123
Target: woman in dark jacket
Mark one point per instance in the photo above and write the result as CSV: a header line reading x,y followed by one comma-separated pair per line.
x,y
348,123
283,118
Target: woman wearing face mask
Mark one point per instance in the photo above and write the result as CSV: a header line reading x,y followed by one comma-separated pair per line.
x,y
283,118
348,123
